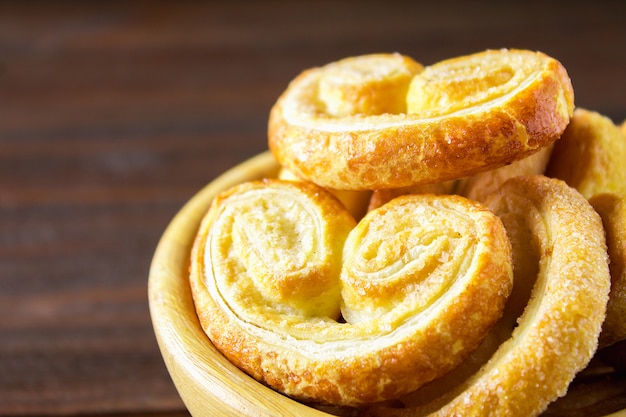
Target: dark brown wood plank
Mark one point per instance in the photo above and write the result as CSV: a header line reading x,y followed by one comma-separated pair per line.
x,y
113,114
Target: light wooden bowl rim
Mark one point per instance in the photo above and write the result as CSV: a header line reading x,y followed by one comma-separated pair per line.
x,y
207,382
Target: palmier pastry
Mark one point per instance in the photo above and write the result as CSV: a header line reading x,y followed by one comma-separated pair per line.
x,y
419,283
612,210
386,122
557,334
590,155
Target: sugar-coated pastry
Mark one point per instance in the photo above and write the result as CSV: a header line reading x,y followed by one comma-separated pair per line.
x,y
419,283
262,237
366,85
590,155
562,279
442,122
478,187
612,210
441,240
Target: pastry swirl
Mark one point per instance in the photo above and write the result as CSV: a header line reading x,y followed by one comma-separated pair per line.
x,y
446,121
560,259
419,282
380,197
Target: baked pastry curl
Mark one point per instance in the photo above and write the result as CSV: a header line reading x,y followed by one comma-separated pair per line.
x,y
590,155
560,259
477,187
446,121
419,283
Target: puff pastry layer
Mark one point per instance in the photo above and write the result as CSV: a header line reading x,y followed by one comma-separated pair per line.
x,y
387,122
556,308
419,283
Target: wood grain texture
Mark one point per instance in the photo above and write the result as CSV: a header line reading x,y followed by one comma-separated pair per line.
x,y
113,114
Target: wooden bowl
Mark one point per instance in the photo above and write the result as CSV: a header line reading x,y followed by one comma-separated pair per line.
x,y
207,382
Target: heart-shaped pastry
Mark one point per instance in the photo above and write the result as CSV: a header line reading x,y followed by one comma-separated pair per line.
x,y
549,330
383,121
419,283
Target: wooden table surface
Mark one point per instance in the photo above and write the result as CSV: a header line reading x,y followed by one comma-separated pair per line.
x,y
113,114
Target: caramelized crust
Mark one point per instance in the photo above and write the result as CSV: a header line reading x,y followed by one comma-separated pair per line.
x,y
590,157
422,280
556,335
485,111
377,270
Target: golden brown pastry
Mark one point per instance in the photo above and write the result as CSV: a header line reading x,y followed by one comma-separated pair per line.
x,y
422,280
590,155
612,210
450,120
356,202
480,186
564,294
